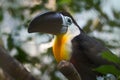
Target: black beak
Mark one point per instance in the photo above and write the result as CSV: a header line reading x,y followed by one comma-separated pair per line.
x,y
49,22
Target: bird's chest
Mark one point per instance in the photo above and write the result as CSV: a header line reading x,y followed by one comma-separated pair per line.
x,y
62,47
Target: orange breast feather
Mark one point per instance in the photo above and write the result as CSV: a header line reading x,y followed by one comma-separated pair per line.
x,y
62,47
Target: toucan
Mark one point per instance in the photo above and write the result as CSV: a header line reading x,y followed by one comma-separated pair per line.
x,y
85,52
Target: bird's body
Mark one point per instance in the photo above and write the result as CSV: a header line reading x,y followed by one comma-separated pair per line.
x,y
85,52
86,55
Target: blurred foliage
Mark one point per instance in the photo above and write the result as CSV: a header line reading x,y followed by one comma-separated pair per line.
x,y
110,57
105,69
1,15
109,69
23,11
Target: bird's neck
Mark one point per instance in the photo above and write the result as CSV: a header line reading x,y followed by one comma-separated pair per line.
x,y
61,48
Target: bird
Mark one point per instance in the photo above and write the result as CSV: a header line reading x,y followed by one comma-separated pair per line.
x,y
85,52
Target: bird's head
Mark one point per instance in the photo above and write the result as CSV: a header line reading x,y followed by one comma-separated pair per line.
x,y
52,22
56,23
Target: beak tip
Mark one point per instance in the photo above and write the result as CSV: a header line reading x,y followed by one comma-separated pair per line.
x,y
30,29
32,26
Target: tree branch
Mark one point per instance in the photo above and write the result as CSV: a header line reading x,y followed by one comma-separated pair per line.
x,y
13,67
68,70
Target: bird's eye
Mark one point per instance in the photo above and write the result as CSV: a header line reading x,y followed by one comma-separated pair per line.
x,y
68,20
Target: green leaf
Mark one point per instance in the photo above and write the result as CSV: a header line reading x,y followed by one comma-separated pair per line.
x,y
111,57
21,56
87,26
64,1
1,15
10,42
105,69
37,8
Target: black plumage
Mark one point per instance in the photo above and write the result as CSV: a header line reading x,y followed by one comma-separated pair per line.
x,y
87,55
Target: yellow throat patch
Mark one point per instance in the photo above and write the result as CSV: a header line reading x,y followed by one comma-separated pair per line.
x,y
62,47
